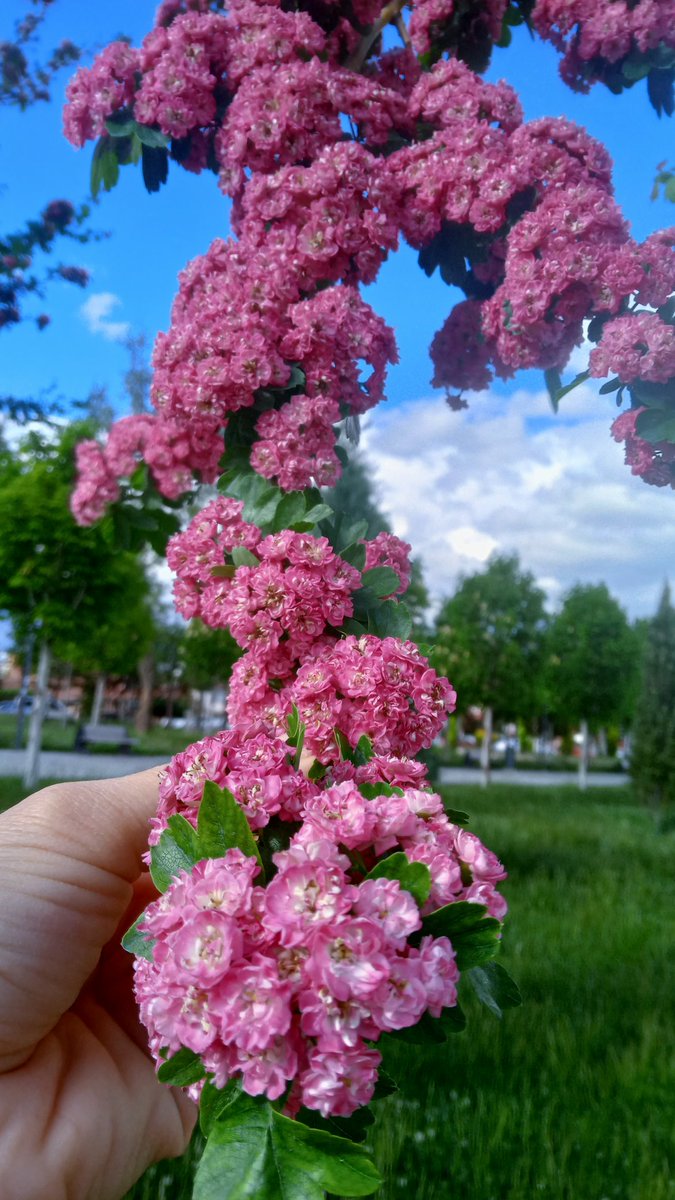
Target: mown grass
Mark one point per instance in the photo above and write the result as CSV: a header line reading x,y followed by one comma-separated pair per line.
x,y
56,736
571,1097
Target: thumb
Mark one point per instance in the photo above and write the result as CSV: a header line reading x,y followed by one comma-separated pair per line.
x,y
68,858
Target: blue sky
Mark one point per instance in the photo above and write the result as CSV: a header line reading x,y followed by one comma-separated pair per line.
x,y
152,237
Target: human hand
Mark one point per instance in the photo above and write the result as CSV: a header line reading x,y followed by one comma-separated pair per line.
x,y
81,1111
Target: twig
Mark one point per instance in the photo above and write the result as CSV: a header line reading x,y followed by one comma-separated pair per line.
x,y
390,12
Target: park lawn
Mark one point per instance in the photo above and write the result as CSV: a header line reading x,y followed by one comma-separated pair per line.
x,y
56,736
571,1097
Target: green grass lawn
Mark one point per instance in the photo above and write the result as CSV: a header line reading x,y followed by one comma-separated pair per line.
x,y
571,1097
62,737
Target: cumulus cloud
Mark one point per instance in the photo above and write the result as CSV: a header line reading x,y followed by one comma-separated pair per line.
x,y
508,475
95,313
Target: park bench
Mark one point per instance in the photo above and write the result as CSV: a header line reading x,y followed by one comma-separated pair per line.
x,y
104,735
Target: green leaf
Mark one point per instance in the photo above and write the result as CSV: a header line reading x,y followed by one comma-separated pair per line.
x,y
383,581
430,1031
185,836
390,619
363,751
253,1153
474,936
656,425
154,138
222,825
241,557
612,385
355,1127
371,790
155,167
213,1101
105,169
168,858
136,942
261,498
355,555
457,816
349,625
495,988
557,389
414,877
182,1069
293,726
121,125
318,512
290,511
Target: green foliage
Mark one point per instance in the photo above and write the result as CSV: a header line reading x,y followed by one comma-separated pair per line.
x,y
254,1153
474,936
136,943
592,658
495,988
413,877
207,656
489,639
92,599
182,1069
653,753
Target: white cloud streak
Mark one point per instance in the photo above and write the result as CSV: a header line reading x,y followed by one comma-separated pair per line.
x,y
506,475
95,313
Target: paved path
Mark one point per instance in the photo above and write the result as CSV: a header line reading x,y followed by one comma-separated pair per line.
x,y
57,764
448,775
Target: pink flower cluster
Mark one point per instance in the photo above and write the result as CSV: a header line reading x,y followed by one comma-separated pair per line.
x,y
636,346
596,34
329,164
286,984
298,587
652,461
173,452
387,550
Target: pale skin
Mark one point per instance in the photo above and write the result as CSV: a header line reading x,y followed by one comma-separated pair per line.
x,y
81,1112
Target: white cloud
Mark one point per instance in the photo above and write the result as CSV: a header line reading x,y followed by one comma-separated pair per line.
x,y
507,475
95,313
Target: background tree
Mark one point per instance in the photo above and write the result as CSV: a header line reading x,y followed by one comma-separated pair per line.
x,y
653,751
355,497
73,585
591,666
489,640
207,657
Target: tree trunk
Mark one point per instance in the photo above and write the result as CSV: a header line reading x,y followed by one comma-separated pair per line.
x,y
99,695
583,757
602,742
146,672
25,687
31,771
64,692
486,746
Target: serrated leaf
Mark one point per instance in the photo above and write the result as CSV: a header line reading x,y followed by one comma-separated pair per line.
x,y
213,1101
385,1086
355,1127
656,425
457,816
222,825
290,511
355,555
495,988
370,791
120,125
241,557
414,877
155,167
182,1069
474,936
391,619
383,581
363,750
185,836
105,169
153,138
318,512
167,859
350,625
260,498
137,943
253,1153
612,385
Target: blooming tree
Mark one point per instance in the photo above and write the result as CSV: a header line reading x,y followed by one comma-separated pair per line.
x,y
315,897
